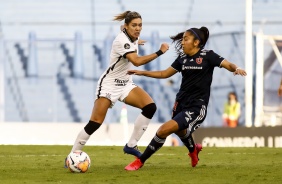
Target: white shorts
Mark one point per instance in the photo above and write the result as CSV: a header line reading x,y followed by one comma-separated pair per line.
x,y
113,92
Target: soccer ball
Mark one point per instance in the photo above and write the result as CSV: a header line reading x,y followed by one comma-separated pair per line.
x,y
78,161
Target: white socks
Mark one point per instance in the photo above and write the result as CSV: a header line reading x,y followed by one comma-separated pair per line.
x,y
80,141
140,126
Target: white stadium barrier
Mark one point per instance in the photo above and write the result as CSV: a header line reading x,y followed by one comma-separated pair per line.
x,y
13,133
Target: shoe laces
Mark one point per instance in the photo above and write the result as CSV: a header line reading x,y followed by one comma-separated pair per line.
x,y
136,148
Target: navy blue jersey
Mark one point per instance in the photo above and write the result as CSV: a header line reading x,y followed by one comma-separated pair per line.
x,y
197,71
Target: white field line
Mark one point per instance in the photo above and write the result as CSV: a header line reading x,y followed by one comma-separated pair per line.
x,y
31,155
54,155
157,154
248,153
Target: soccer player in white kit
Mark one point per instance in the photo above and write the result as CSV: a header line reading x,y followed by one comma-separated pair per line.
x,y
115,84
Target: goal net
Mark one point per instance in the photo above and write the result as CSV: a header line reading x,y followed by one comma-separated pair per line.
x,y
268,74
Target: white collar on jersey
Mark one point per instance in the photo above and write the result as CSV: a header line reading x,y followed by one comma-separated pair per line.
x,y
124,31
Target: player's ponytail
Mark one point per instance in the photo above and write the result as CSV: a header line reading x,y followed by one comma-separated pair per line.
x,y
177,39
121,16
205,35
127,16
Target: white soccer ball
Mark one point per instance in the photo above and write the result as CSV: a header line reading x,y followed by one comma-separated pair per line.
x,y
78,161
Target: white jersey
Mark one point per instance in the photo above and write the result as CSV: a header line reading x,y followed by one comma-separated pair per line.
x,y
115,79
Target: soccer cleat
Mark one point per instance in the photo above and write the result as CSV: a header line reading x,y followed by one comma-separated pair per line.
x,y
132,151
194,155
135,165
66,164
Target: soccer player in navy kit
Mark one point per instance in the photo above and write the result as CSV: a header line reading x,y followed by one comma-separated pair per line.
x,y
196,66
115,84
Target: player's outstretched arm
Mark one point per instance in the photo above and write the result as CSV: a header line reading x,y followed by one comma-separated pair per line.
x,y
233,68
141,60
154,74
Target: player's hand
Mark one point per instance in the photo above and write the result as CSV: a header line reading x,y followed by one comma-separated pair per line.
x,y
164,47
240,71
134,72
141,42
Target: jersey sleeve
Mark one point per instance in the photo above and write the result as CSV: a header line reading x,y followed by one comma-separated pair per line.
x,y
176,64
214,58
123,47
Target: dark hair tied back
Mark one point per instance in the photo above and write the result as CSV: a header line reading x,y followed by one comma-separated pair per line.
x,y
130,16
177,39
127,16
201,34
206,35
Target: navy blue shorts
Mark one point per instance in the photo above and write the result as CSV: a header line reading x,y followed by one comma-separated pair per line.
x,y
189,117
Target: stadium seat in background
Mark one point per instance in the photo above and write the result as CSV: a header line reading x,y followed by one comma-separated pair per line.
x,y
55,35
69,58
22,56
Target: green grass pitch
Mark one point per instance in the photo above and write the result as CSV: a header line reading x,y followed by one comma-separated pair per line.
x,y
44,164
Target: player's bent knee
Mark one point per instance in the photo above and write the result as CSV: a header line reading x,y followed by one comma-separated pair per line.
x,y
165,130
149,110
162,133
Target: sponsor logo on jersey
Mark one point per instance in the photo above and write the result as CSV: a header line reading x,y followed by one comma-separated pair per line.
x,y
191,60
191,67
202,53
120,82
126,46
199,60
184,61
